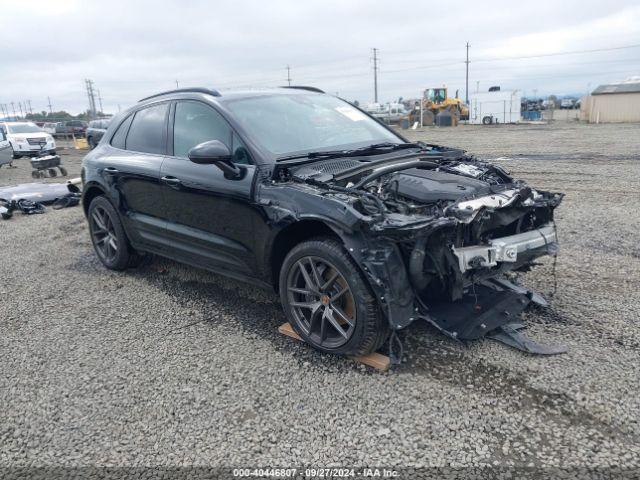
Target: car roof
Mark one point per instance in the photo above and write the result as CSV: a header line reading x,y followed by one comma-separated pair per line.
x,y
230,94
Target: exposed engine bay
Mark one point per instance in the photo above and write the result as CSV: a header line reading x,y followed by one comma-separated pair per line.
x,y
436,231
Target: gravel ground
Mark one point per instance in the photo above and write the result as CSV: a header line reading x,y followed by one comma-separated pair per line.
x,y
171,366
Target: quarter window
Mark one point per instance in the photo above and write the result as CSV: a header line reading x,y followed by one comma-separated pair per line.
x,y
119,137
148,130
195,123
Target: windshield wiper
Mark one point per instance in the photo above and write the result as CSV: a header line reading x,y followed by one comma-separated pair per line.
x,y
373,149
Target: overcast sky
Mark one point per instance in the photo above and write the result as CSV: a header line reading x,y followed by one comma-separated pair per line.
x,y
131,49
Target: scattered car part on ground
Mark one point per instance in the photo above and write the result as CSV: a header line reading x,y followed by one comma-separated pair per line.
x,y
361,231
30,197
27,207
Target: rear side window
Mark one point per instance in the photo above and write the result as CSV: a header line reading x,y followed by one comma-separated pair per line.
x,y
121,134
195,123
148,130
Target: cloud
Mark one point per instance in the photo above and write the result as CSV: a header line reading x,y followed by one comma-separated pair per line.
x,y
131,49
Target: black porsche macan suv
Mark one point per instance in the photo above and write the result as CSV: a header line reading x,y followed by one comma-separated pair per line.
x,y
360,231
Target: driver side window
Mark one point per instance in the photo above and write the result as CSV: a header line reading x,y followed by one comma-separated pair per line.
x,y
196,122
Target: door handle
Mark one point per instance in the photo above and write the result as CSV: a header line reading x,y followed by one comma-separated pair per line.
x,y
111,170
173,182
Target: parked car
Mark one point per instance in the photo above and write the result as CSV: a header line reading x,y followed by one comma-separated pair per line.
x,y
27,139
96,130
6,153
360,231
72,127
566,103
49,128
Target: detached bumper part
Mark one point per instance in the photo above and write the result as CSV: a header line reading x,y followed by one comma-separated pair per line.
x,y
508,249
491,308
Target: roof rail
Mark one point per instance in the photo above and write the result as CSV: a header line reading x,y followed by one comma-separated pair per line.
x,y
303,87
209,91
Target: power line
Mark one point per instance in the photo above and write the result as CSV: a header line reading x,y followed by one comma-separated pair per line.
x,y
555,54
498,59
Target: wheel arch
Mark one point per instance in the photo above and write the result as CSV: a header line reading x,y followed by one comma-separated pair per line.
x,y
90,192
292,235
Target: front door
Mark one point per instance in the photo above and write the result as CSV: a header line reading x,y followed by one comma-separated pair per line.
x,y
209,218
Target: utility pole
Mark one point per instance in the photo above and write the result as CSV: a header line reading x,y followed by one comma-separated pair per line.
x,y
49,104
92,98
375,75
288,75
100,101
466,95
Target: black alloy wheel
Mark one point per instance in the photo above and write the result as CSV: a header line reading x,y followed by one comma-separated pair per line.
x,y
328,301
321,302
108,236
103,233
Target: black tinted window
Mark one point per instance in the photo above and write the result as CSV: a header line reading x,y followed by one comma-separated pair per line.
x,y
147,132
121,134
240,152
195,123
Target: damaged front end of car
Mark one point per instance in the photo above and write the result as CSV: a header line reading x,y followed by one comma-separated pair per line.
x,y
437,233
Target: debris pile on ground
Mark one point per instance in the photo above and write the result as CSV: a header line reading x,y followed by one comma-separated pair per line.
x,y
30,198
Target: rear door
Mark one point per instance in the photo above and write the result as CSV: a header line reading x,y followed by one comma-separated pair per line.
x,y
5,149
210,218
132,166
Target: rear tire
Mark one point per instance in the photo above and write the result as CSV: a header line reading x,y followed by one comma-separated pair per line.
x,y
487,120
346,309
108,237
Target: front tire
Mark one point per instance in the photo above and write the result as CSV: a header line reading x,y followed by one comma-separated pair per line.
x,y
327,300
14,155
108,237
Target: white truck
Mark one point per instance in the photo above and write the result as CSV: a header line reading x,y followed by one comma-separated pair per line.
x,y
496,106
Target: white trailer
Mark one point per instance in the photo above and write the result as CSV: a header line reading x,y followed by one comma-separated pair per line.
x,y
502,106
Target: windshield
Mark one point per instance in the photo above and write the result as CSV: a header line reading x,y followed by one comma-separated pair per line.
x,y
24,128
289,124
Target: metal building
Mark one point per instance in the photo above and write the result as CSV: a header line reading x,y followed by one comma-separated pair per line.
x,y
613,103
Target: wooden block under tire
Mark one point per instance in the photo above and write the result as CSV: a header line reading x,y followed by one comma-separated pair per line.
x,y
375,360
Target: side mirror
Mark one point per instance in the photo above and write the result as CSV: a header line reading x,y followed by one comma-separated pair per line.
x,y
214,152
